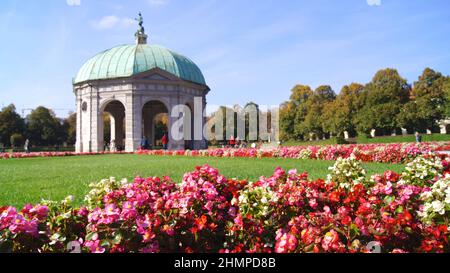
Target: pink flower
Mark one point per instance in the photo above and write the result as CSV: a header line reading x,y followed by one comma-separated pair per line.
x,y
128,211
94,246
286,242
7,216
330,241
209,206
40,211
26,209
111,210
388,188
343,211
313,203
279,172
95,215
83,211
17,224
239,221
378,178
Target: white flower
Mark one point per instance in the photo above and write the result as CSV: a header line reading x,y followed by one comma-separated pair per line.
x,y
438,207
241,198
447,199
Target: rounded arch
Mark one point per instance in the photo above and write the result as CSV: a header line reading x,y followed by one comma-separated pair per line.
x,y
155,123
163,101
104,103
112,125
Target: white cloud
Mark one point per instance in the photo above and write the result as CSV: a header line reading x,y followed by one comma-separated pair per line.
x,y
112,21
374,2
158,2
73,3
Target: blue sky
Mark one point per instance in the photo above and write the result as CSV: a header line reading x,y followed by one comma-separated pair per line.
x,y
248,50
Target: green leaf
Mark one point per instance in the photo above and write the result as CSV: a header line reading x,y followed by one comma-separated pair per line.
x,y
354,231
105,243
89,236
388,199
117,239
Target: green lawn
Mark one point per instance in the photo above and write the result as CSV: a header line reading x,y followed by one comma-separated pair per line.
x,y
29,180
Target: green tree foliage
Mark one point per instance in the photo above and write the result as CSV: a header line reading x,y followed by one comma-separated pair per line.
x,y
340,115
16,140
427,105
70,126
316,104
385,104
293,113
446,88
43,128
300,97
10,123
287,124
383,99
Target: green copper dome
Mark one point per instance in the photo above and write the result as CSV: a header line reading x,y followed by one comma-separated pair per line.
x,y
128,60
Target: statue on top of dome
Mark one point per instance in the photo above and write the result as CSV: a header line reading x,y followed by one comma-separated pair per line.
x,y
140,20
141,37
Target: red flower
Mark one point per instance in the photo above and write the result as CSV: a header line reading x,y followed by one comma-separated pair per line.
x,y
391,176
334,196
201,222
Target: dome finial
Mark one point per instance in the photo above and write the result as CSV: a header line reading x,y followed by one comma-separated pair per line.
x,y
141,37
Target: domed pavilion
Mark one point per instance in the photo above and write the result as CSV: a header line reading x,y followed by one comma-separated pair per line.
x,y
136,86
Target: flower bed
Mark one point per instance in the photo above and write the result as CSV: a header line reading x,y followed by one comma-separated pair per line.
x,y
284,213
383,153
51,154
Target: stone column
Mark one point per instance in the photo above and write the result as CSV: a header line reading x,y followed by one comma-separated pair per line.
x,y
99,144
96,123
79,140
133,122
129,116
205,121
173,143
117,118
90,123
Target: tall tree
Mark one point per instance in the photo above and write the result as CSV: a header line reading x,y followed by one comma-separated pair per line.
x,y
339,116
43,127
383,100
10,123
300,97
446,88
427,106
287,118
70,126
316,104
